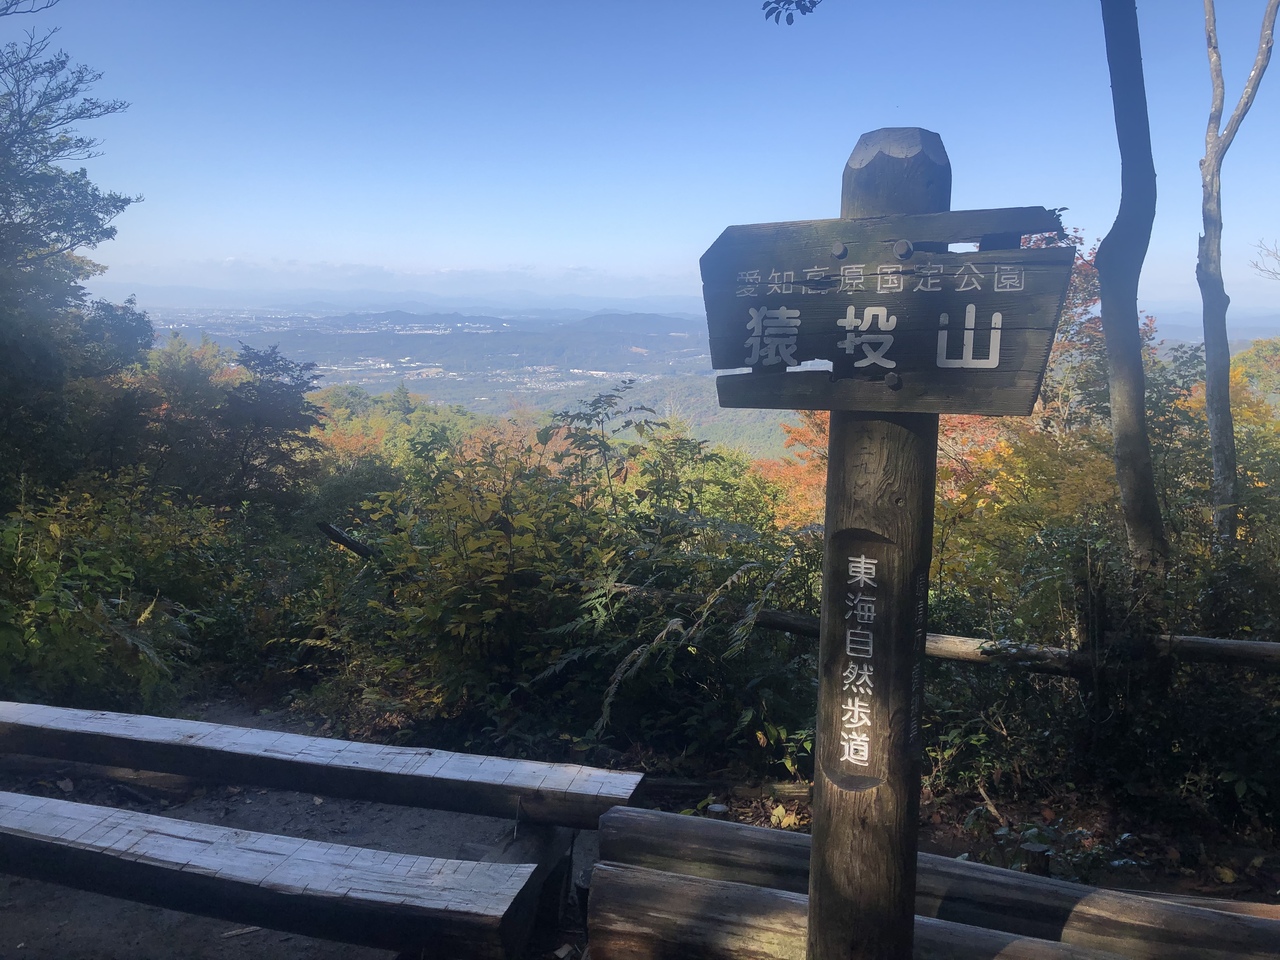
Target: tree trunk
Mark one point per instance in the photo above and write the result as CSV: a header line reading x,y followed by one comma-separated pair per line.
x,y
1217,353
1119,264
1213,293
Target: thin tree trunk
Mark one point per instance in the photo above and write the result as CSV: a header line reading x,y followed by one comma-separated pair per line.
x,y
1119,263
1213,293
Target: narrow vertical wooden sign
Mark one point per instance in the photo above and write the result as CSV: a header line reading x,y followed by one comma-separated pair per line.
x,y
878,542
880,484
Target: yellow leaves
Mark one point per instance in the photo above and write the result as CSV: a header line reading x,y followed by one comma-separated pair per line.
x,y
1249,407
783,818
146,614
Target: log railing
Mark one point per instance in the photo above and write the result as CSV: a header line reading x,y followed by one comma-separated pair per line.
x,y
756,878
1257,654
1254,654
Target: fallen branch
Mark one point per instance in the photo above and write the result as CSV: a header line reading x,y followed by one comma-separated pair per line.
x,y
1056,660
342,540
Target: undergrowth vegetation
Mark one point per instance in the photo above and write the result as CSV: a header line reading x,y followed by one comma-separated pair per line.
x,y
588,585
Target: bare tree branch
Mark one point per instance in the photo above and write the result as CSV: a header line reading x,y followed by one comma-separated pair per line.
x,y
1266,41
1215,76
44,98
1267,256
10,7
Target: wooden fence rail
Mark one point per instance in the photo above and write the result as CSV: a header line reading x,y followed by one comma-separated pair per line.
x,y
641,914
1257,654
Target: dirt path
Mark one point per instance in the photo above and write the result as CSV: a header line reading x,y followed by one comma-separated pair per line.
x,y
40,921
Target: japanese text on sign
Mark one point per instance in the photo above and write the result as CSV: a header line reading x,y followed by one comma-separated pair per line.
x,y
884,278
858,675
772,338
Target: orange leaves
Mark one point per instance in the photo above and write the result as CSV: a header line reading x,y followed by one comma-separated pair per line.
x,y
354,444
804,491
803,475
809,438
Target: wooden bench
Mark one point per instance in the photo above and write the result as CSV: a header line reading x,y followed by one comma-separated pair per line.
x,y
524,790
343,893
374,898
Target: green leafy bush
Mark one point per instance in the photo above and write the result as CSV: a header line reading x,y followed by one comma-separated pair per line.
x,y
100,593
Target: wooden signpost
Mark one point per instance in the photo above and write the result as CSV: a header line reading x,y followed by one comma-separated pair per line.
x,y
908,330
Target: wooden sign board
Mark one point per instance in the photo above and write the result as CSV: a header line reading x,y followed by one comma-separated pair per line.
x,y
906,325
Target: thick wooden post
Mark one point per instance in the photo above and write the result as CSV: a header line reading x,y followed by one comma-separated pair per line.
x,y
879,526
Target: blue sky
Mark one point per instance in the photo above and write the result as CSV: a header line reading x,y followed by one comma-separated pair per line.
x,y
597,148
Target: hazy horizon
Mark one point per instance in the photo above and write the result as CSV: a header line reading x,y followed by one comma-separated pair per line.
x,y
511,152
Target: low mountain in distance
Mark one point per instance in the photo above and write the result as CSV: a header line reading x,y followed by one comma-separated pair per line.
x,y
540,360
357,347
500,297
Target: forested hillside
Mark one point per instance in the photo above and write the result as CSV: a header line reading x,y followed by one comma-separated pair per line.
x,y
181,518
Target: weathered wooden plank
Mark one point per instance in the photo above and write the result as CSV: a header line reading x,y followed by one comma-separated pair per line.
x,y
937,343
970,893
641,914
883,299
369,897
1038,279
816,390
946,226
565,794
1010,389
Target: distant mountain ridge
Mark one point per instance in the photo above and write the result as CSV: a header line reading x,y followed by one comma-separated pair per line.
x,y
633,344
169,297
542,360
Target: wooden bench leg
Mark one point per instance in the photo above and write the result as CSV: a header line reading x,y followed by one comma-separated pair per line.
x,y
550,850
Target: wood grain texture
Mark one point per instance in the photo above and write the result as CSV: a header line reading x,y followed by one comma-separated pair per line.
x,y
550,850
880,484
876,551
930,291
1042,274
356,895
816,280
1121,923
816,390
565,794
946,226
640,914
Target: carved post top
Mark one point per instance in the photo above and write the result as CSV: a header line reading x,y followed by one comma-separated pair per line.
x,y
896,170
